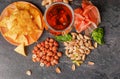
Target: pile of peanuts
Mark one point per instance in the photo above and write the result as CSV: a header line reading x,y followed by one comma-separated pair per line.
x,y
79,48
48,2
46,53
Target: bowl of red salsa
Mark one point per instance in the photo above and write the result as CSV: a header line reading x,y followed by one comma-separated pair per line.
x,y
59,18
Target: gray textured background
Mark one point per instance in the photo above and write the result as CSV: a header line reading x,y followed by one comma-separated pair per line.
x,y
106,57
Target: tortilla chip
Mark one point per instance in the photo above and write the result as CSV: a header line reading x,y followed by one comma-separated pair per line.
x,y
20,49
39,22
22,39
12,36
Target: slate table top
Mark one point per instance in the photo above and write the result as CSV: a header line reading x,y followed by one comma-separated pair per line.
x,y
105,57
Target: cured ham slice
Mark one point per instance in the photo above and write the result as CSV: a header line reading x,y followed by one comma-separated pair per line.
x,y
86,17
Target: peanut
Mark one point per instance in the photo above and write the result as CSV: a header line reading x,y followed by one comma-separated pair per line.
x,y
59,54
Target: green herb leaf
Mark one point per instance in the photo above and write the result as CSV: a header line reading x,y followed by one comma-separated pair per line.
x,y
64,38
98,35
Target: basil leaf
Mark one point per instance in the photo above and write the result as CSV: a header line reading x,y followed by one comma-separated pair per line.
x,y
64,38
98,35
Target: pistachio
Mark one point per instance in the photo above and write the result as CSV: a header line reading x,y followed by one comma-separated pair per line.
x,y
73,37
91,63
72,58
65,43
81,54
91,47
77,41
74,48
73,67
78,48
86,44
86,37
80,35
85,40
77,51
83,57
95,44
81,42
66,1
73,33
81,50
82,47
67,52
44,2
72,42
70,50
48,2
87,52
90,43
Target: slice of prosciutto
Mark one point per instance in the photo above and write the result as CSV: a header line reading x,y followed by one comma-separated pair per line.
x,y
87,17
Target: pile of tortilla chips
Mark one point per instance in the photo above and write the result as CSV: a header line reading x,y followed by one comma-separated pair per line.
x,y
21,23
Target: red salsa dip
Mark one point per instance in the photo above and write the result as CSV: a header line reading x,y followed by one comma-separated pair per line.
x,y
59,17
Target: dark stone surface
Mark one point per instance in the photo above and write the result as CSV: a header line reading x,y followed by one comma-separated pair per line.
x,y
106,57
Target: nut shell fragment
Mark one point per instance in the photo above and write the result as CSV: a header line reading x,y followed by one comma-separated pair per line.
x,y
29,72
